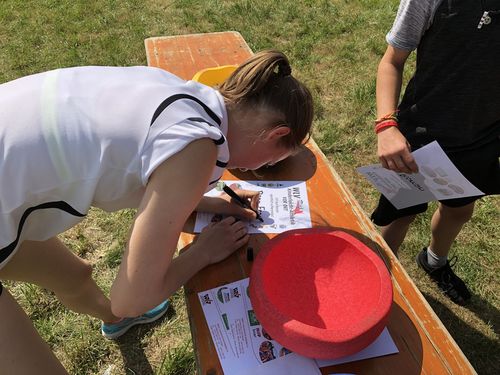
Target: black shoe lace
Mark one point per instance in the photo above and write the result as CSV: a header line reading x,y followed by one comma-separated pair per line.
x,y
452,261
451,284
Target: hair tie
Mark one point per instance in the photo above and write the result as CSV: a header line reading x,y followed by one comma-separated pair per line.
x,y
284,69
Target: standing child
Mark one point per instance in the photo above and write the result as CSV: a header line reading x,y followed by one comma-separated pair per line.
x,y
453,98
129,137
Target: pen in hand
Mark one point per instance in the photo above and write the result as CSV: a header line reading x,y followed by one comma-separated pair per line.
x,y
240,200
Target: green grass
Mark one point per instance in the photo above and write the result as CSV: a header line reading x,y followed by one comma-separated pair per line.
x,y
334,47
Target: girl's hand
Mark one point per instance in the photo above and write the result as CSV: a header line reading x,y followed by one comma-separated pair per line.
x,y
394,151
219,240
225,205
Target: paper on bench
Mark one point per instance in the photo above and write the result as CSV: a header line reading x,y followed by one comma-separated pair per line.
x,y
283,206
243,345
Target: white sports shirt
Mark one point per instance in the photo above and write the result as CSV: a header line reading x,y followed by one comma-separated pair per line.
x,y
91,136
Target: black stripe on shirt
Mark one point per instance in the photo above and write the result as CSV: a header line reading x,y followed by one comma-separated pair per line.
x,y
175,97
199,119
219,141
214,181
61,205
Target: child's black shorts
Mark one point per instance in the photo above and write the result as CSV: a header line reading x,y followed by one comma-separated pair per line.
x,y
481,167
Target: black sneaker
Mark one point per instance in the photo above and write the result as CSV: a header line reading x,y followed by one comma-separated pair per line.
x,y
447,281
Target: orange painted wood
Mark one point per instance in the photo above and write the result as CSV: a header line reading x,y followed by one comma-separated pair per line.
x,y
187,54
425,346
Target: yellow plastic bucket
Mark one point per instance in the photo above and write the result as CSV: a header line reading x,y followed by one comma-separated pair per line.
x,y
214,76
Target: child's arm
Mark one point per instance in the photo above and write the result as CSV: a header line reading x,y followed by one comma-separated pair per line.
x,y
393,150
148,274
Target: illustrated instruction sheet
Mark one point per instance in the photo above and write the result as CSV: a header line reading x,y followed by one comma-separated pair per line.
x,y
239,339
437,179
244,347
283,206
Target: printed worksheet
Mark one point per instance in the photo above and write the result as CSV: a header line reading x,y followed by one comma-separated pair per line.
x,y
245,348
283,206
240,340
437,179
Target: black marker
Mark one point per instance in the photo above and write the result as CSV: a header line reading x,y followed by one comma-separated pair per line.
x,y
250,254
240,200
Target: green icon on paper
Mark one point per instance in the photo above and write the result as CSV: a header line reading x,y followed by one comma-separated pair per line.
x,y
223,295
252,318
226,321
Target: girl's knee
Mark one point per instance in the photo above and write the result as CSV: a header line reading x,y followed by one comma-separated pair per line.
x,y
81,277
86,269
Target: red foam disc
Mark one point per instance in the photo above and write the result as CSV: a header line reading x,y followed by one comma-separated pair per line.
x,y
320,292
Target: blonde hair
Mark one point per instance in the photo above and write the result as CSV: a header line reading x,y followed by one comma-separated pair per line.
x,y
265,81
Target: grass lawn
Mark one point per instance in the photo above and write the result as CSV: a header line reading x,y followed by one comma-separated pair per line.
x,y
334,47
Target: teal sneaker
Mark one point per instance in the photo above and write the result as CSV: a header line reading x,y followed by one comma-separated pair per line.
x,y
115,330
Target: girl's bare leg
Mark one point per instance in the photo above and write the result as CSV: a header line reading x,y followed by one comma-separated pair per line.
x,y
22,350
51,265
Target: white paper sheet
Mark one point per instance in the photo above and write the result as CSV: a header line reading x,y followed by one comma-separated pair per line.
x,y
292,364
244,347
437,179
283,206
383,345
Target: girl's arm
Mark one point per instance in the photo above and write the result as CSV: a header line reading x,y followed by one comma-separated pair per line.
x,y
393,150
148,274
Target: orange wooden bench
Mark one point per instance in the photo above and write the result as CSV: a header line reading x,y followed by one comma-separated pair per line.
x,y
425,346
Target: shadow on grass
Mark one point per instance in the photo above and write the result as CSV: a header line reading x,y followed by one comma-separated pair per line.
x,y
482,351
132,347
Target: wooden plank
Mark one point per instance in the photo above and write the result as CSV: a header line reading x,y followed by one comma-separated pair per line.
x,y
425,346
187,54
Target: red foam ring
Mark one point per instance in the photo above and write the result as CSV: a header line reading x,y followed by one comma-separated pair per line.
x,y
321,293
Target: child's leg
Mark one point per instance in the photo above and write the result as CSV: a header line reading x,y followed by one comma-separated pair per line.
x,y
395,233
53,266
393,222
22,350
446,223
